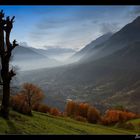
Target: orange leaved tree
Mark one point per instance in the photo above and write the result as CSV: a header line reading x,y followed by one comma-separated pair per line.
x,y
29,96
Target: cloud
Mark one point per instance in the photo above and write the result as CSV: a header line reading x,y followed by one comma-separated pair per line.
x,y
25,44
75,26
61,30
136,10
132,12
64,17
108,27
47,24
37,34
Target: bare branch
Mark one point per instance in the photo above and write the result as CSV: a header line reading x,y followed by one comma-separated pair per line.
x,y
1,14
7,28
8,19
13,45
9,24
11,73
12,20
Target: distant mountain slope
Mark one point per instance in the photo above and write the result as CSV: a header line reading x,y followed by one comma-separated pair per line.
x,y
58,53
128,34
27,58
90,47
55,51
23,53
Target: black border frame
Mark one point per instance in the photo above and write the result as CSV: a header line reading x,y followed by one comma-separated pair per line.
x,y
70,2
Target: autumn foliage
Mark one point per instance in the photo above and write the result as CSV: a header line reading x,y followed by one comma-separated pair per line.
x,y
32,94
55,112
80,118
72,108
113,116
77,109
18,104
82,111
41,108
93,115
85,112
29,96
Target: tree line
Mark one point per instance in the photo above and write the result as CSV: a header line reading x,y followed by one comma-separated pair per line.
x,y
31,96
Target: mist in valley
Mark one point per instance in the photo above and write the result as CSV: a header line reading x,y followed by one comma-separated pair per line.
x,y
40,58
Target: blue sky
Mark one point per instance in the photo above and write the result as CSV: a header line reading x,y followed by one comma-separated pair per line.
x,y
66,26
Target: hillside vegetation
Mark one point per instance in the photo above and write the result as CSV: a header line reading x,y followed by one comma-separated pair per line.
x,y
41,123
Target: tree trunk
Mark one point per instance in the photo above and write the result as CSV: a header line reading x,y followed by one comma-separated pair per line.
x,y
6,48
30,106
6,90
5,100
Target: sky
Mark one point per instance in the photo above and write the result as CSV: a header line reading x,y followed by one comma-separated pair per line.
x,y
66,26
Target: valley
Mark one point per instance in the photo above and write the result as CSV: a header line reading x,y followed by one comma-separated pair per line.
x,y
106,76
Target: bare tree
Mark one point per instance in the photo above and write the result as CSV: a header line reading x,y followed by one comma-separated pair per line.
x,y
6,25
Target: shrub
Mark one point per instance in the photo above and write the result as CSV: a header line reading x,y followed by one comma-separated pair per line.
x,y
18,104
113,116
54,111
43,108
83,109
25,110
93,115
72,108
36,107
80,118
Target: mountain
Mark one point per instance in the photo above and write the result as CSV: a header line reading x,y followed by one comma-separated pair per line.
x,y
90,47
58,51
27,58
129,33
60,54
23,53
109,77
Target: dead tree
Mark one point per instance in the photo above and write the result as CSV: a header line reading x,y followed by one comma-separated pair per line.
x,y
6,25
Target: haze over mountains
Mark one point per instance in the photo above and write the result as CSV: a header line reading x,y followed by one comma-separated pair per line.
x,y
28,58
130,33
89,49
107,73
60,54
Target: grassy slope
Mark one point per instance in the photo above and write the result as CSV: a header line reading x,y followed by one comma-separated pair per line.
x,y
136,123
45,124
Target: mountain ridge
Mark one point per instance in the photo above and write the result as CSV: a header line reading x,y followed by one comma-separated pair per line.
x,y
90,47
